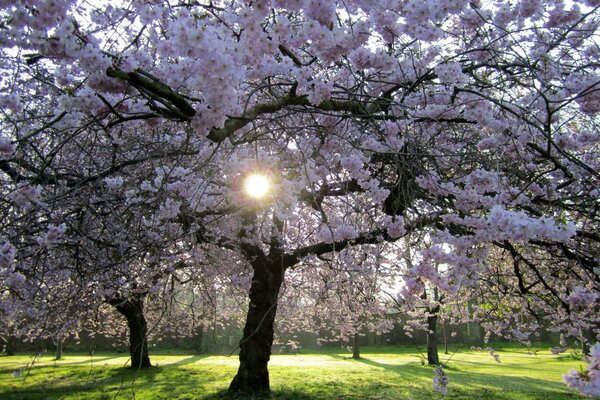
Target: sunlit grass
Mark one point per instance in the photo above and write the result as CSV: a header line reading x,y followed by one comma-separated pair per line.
x,y
382,373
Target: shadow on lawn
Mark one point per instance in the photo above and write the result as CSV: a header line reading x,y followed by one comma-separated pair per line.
x,y
170,382
113,383
468,382
54,364
190,360
90,360
284,394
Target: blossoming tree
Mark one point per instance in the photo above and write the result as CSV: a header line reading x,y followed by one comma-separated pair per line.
x,y
470,124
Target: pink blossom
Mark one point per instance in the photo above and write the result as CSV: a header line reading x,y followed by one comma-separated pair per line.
x,y
15,280
7,255
7,148
345,232
113,183
52,235
395,226
582,297
326,235
352,163
11,102
587,381
450,72
25,195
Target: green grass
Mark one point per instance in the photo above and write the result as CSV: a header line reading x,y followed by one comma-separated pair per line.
x,y
383,373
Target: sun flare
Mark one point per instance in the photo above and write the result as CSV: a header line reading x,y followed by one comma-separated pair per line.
x,y
256,186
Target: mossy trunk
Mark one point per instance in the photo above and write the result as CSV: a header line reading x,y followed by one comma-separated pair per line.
x,y
133,310
252,377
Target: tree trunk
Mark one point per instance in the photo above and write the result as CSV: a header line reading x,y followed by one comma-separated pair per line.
x,y
252,377
432,350
9,346
587,340
59,348
199,342
355,347
445,338
133,310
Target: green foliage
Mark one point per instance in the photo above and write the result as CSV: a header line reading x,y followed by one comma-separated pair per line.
x,y
576,354
381,373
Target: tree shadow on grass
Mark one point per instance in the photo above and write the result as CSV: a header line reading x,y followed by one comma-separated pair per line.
x,y
113,383
190,360
26,366
400,367
89,360
469,382
281,394
394,381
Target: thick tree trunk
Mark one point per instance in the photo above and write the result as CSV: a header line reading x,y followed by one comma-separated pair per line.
x,y
432,350
133,310
355,347
255,347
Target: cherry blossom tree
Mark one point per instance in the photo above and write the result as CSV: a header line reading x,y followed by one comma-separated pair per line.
x,y
127,130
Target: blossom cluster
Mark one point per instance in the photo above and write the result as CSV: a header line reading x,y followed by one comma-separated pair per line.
x,y
11,277
587,381
7,148
25,195
582,297
52,235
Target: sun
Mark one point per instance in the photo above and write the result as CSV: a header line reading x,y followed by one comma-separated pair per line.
x,y
256,186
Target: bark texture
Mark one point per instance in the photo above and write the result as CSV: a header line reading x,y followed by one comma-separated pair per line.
x,y
432,350
133,310
255,347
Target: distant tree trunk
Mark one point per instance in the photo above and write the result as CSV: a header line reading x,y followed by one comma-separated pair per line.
x,y
445,338
199,339
587,340
355,347
255,346
133,310
432,350
9,345
59,348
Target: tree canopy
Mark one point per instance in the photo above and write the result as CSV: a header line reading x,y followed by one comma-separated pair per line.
x,y
467,131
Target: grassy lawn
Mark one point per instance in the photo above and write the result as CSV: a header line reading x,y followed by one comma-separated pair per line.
x,y
383,373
